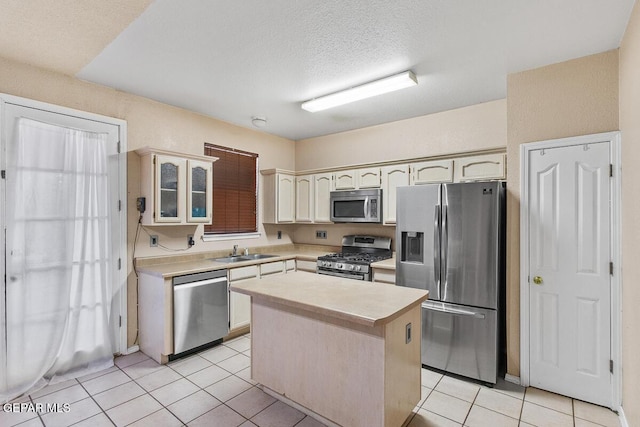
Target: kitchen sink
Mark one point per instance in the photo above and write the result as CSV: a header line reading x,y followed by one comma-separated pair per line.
x,y
257,256
238,258
231,259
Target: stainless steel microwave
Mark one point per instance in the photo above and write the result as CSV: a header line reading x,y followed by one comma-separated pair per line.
x,y
356,206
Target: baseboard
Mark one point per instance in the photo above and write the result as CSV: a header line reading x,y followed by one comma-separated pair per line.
x,y
623,419
512,379
133,349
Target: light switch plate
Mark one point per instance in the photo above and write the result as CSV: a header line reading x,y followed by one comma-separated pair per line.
x,y
153,241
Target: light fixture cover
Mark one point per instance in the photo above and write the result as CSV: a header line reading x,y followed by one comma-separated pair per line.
x,y
367,90
259,122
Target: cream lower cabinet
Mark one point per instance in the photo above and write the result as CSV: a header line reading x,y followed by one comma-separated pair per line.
x,y
383,275
479,168
392,177
279,205
304,198
322,188
304,265
239,304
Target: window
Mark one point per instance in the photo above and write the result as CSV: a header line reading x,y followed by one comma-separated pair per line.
x,y
234,191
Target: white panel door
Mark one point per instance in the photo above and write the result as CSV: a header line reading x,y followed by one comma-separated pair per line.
x,y
569,280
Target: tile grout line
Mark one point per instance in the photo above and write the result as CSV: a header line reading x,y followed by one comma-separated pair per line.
x,y
98,405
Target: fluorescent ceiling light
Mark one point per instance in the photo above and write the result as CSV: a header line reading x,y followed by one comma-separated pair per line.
x,y
367,90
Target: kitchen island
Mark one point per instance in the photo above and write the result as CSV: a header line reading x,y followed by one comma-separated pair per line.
x,y
345,351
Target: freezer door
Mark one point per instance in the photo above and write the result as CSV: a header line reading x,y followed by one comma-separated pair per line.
x,y
471,243
418,238
461,340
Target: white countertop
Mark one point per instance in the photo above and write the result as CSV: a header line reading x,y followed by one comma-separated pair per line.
x,y
365,303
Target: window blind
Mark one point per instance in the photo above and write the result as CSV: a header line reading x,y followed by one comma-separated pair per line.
x,y
234,190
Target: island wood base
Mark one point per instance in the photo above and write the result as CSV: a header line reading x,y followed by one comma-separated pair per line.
x,y
348,373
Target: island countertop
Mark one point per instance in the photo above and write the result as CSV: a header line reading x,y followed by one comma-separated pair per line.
x,y
366,303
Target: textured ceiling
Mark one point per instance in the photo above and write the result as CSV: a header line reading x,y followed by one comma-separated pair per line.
x,y
62,35
236,59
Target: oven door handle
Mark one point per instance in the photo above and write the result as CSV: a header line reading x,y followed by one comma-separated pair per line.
x,y
345,275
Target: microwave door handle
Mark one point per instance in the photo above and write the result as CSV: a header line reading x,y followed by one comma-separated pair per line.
x,y
366,207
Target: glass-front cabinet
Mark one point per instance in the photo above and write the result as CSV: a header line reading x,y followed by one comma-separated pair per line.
x,y
199,186
177,188
169,189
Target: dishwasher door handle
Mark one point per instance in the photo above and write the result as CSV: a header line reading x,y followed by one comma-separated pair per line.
x,y
200,283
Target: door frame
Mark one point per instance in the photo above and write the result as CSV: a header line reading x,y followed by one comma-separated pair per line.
x,y
121,277
616,281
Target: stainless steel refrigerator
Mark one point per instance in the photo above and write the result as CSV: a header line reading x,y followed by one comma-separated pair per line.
x,y
450,241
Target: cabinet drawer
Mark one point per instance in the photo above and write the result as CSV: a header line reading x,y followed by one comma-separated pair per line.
x,y
384,276
303,265
271,268
243,273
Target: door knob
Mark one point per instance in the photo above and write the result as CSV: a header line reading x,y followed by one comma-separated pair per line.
x,y
537,280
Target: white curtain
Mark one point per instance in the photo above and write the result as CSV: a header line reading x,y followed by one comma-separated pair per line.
x,y
58,258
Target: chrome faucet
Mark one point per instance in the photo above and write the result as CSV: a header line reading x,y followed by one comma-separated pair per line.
x,y
235,250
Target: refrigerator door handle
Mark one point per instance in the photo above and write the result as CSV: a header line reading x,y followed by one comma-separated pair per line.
x,y
436,249
445,248
457,311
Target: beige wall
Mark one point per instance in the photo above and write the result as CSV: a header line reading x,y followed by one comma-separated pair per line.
x,y
154,124
479,127
572,98
630,127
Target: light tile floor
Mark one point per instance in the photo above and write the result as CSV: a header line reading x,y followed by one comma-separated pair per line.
x,y
214,388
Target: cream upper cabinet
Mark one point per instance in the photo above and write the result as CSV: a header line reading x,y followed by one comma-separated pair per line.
x,y
392,177
279,196
177,188
322,188
431,171
357,178
304,198
368,178
199,191
479,168
345,180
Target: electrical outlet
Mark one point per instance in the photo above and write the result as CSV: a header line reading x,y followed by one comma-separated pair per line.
x,y
190,241
279,234
321,234
153,241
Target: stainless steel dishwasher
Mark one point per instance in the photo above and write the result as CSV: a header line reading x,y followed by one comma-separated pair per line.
x,y
200,310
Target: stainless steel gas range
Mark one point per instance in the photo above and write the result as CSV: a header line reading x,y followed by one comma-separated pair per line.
x,y
354,262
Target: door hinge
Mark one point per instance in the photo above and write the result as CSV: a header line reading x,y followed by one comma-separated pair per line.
x,y
611,366
611,169
611,268
120,321
119,146
3,174
119,205
119,263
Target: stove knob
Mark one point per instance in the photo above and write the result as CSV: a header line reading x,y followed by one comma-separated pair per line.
x,y
358,268
351,267
338,266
